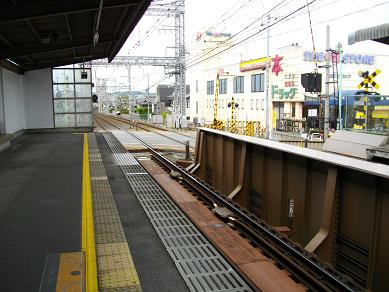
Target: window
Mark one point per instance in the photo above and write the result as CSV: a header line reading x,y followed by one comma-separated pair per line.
x,y
257,83
72,92
257,104
293,109
239,84
197,86
210,88
252,104
223,86
197,107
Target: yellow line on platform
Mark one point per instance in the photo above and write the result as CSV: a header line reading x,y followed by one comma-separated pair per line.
x,y
87,233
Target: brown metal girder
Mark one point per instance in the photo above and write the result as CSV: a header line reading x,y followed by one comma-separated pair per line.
x,y
218,157
375,235
327,213
242,167
284,196
308,197
198,152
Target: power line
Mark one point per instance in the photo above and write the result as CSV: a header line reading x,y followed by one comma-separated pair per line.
x,y
252,35
239,32
321,22
157,23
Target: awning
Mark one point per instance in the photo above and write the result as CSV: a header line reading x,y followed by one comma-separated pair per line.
x,y
379,33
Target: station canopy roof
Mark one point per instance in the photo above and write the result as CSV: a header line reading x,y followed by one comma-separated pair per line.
x,y
379,33
38,34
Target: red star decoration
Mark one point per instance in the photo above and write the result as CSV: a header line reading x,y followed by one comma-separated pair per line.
x,y
276,66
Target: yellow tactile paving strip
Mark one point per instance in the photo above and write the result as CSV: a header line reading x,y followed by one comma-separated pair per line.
x,y
115,267
87,232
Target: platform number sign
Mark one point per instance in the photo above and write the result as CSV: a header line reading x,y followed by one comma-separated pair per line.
x,y
368,79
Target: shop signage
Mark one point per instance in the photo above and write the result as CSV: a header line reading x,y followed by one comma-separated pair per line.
x,y
276,65
346,58
254,64
213,34
290,80
282,93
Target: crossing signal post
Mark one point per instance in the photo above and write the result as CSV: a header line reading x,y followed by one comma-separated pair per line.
x,y
233,105
311,82
361,114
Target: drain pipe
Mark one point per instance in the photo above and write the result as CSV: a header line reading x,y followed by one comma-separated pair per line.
x,y
241,173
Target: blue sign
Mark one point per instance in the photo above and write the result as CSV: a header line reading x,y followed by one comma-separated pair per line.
x,y
346,58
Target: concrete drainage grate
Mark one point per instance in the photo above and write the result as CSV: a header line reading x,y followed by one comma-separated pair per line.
x,y
200,264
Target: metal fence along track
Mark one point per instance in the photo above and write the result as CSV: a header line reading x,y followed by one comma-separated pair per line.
x,y
200,264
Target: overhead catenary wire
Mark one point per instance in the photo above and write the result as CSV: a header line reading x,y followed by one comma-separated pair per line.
x,y
157,23
313,39
250,36
245,28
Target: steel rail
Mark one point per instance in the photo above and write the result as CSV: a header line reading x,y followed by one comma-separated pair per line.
x,y
143,126
334,280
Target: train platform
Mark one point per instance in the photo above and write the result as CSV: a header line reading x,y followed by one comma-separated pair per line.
x,y
78,209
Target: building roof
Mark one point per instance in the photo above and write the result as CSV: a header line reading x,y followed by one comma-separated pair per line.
x,y
379,33
49,33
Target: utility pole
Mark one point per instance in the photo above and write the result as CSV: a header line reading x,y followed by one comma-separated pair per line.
x,y
327,87
340,81
267,78
129,89
148,95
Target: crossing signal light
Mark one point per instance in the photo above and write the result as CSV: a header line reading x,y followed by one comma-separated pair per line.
x,y
311,82
95,98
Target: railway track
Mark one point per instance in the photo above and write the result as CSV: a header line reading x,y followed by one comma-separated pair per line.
x,y
304,266
180,138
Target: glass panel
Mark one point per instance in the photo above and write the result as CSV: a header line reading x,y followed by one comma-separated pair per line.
x,y
83,105
78,76
63,105
84,120
63,90
65,120
63,76
83,90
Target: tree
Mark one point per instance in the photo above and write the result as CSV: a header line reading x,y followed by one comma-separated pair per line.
x,y
122,104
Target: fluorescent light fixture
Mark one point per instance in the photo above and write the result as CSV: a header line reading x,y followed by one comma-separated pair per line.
x,y
13,62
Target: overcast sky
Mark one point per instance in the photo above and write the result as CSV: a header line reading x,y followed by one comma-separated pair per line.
x,y
154,35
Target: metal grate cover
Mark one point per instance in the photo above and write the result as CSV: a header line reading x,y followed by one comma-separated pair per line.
x,y
200,264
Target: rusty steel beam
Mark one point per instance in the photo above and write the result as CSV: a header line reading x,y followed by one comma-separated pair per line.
x,y
241,173
327,212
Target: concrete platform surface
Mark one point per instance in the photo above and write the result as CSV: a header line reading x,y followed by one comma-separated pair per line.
x,y
40,205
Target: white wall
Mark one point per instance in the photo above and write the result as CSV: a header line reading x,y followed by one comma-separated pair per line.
x,y
13,101
38,101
